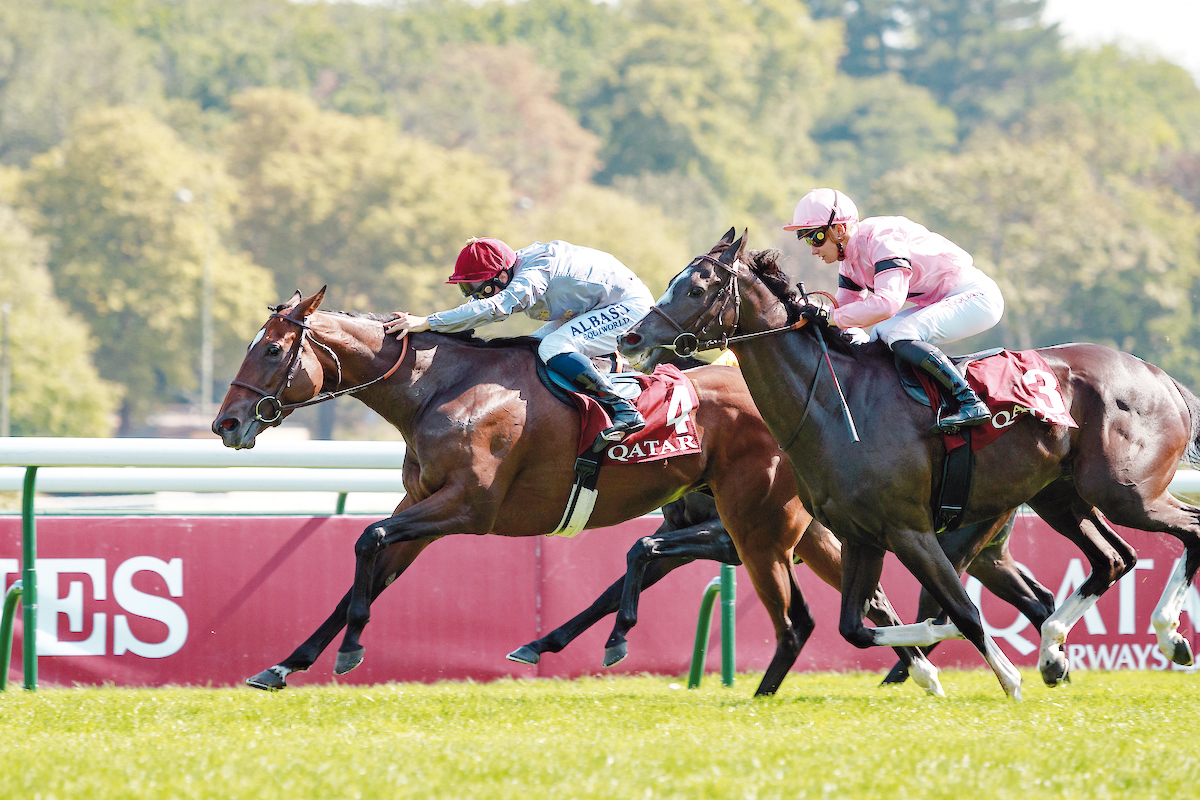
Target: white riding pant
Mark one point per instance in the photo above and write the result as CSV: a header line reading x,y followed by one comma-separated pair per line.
x,y
594,333
974,306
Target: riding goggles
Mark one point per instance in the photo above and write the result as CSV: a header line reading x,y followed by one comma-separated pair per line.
x,y
816,238
482,290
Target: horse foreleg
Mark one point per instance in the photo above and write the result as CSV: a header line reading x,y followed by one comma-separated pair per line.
x,y
396,560
707,541
446,511
821,551
923,556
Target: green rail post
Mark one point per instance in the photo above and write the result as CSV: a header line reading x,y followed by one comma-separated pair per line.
x,y
6,633
703,626
728,606
341,504
29,580
726,586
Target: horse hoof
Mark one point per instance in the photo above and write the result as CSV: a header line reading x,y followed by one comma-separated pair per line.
x,y
271,679
1054,673
1183,653
348,661
899,674
616,654
524,655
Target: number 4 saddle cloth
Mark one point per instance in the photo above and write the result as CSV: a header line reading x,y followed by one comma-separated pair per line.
x,y
666,399
1012,383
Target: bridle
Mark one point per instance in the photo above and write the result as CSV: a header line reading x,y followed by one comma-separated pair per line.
x,y
687,343
271,400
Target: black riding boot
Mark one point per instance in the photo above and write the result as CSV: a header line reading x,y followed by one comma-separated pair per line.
x,y
971,410
584,376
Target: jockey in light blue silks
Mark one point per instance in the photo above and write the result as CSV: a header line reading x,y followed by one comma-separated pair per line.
x,y
586,297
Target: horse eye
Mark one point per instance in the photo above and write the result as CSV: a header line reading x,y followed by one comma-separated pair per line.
x,y
696,291
273,349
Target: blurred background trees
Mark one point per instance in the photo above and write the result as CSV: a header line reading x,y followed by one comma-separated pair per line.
x,y
281,145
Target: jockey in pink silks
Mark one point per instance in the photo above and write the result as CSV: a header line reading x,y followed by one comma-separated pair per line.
x,y
884,262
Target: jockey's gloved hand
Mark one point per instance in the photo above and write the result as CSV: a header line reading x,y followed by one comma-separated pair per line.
x,y
814,313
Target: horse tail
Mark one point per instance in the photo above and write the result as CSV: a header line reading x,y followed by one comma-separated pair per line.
x,y
1192,454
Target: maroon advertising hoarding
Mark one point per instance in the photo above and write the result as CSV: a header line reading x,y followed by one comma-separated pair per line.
x,y
151,601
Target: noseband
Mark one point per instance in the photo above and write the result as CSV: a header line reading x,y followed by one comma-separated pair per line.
x,y
271,399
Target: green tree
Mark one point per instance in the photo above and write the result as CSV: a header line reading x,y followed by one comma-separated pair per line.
x,y
873,125
983,59
721,90
327,198
498,102
129,257
56,61
56,390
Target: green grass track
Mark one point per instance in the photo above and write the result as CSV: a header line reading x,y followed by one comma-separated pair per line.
x,y
1108,734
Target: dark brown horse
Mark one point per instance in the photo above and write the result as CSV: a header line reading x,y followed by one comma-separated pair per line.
x,y
1135,424
490,450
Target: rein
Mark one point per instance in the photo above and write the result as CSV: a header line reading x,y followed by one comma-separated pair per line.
x,y
276,408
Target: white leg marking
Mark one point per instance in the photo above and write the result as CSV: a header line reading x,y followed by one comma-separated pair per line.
x,y
1056,628
1166,615
1009,677
917,635
925,675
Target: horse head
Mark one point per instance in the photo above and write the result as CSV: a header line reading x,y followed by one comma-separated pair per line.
x,y
279,372
702,307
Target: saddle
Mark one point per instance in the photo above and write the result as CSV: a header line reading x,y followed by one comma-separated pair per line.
x,y
958,468
665,398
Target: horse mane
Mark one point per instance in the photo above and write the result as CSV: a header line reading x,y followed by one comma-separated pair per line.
x,y
765,266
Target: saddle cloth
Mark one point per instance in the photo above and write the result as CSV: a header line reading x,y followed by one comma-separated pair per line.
x,y
1012,383
666,399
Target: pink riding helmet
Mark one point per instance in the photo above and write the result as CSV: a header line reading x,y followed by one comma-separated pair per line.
x,y
822,207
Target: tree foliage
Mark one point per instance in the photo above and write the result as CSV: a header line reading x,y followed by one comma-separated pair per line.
x,y
56,390
128,256
327,198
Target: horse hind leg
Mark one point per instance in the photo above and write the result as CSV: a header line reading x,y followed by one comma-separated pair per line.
x,y
1166,514
706,541
1108,554
607,603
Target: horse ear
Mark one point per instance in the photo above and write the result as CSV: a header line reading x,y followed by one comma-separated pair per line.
x,y
309,304
734,251
729,236
745,238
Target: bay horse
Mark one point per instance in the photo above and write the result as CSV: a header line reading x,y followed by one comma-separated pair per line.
x,y
491,451
1135,425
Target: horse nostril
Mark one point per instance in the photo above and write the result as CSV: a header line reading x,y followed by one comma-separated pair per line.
x,y
228,424
631,339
